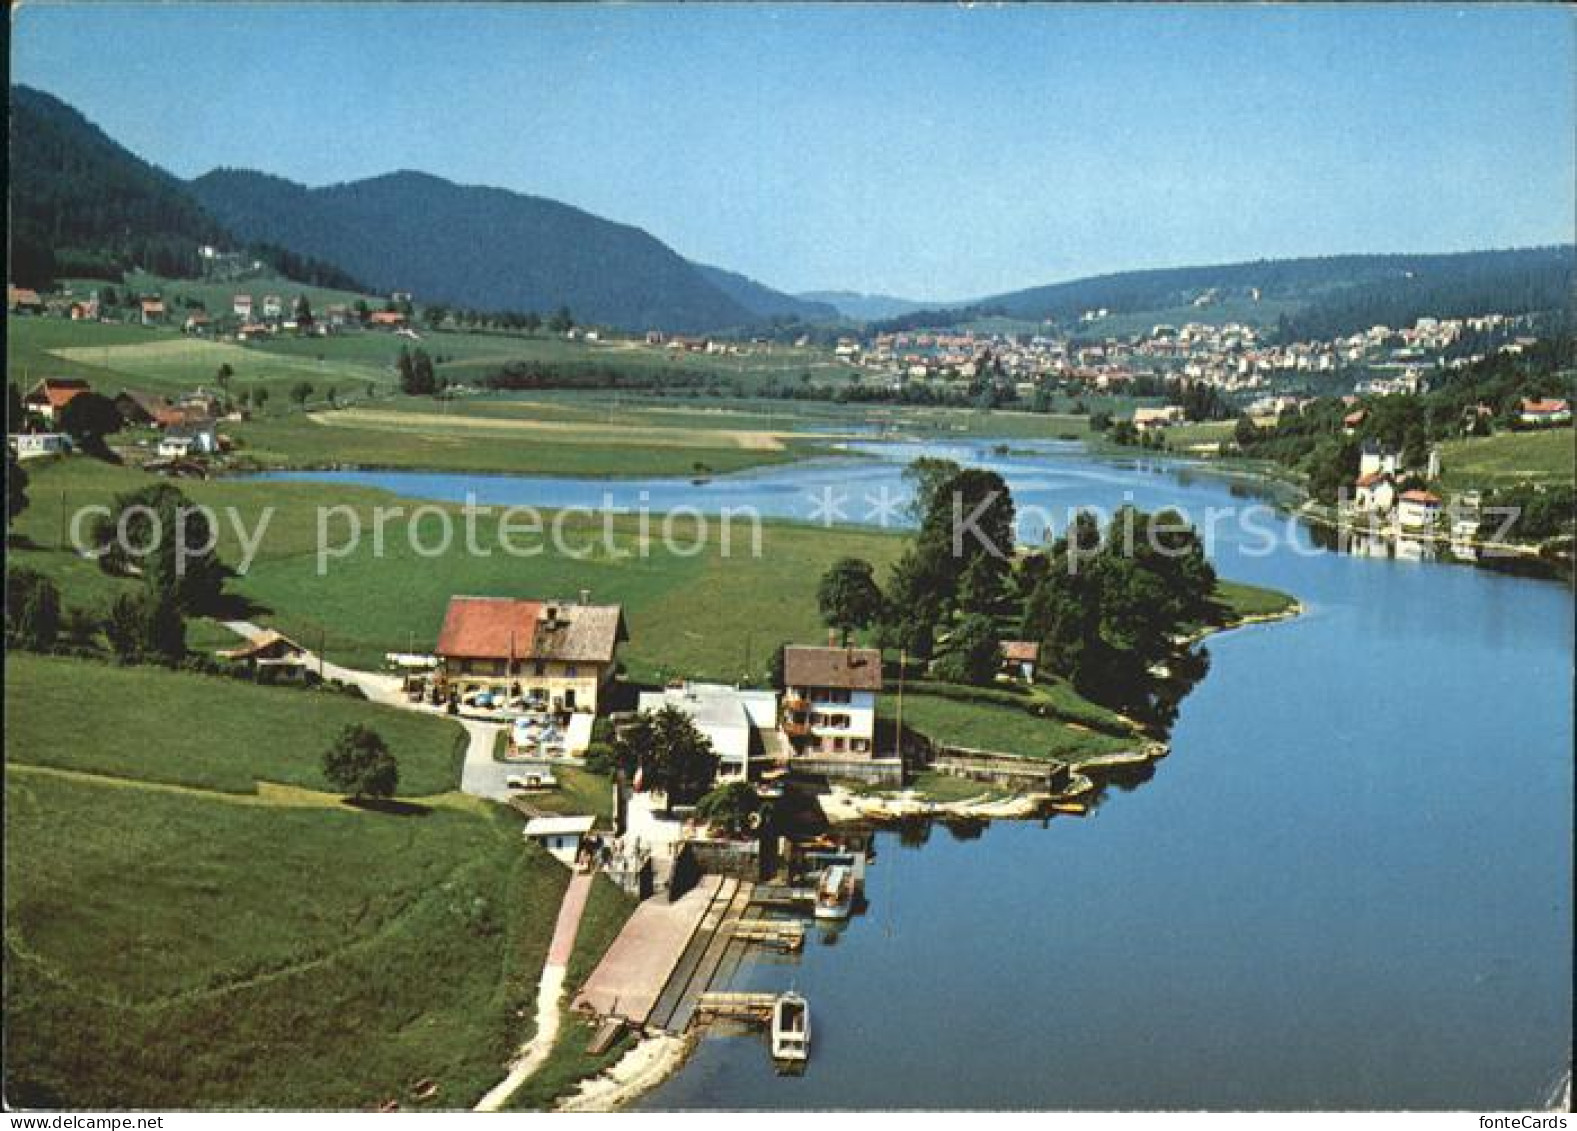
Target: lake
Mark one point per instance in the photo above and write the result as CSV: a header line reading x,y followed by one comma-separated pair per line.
x,y
1349,886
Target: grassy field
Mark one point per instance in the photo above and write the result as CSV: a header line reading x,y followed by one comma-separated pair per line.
x,y
184,947
1238,600
467,437
999,724
1545,456
207,732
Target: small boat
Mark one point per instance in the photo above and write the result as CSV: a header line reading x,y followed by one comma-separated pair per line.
x,y
790,1028
835,893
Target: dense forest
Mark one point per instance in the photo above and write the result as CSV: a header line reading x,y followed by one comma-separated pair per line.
x,y
82,205
1333,296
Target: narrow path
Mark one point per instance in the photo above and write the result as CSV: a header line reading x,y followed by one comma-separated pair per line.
x,y
550,995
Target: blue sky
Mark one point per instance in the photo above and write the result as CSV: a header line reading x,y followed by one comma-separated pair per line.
x,y
935,151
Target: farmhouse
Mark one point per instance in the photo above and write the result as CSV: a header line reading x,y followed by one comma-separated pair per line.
x,y
241,305
556,653
1376,458
829,699
386,319
1540,412
1019,658
52,394
152,311
741,725
268,649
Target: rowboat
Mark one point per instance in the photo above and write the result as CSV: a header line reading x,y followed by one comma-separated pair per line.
x,y
790,1028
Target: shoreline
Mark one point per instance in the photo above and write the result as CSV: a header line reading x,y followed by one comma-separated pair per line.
x,y
652,1060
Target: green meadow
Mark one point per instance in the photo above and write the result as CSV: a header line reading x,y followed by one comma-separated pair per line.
x,y
186,946
1546,456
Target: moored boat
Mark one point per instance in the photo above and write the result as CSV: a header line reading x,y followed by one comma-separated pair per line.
x,y
790,1028
835,893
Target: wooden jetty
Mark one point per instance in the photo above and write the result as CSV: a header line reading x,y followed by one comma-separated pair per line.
x,y
737,1006
784,934
782,895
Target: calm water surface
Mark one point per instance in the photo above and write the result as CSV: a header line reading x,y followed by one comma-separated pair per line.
x,y
1348,886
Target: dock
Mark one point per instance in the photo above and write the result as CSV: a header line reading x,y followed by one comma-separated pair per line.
x,y
737,1007
781,934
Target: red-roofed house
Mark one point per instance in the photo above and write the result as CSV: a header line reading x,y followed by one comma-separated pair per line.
x,y
1374,493
1545,411
52,394
152,311
1417,509
387,318
1019,657
558,653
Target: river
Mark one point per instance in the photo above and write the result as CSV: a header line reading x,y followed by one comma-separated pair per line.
x,y
1349,886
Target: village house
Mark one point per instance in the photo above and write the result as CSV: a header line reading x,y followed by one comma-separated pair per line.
x,y
23,300
269,649
1019,658
740,724
1375,458
143,408
183,441
241,306
196,322
152,311
1149,419
31,445
52,394
829,699
1542,412
273,306
1375,493
386,319
556,653
1417,510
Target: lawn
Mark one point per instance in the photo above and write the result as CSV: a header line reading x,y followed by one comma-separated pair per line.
x,y
1545,456
207,732
175,947
1000,725
1238,600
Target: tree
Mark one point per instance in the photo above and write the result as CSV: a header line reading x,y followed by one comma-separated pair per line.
x,y
775,668
1245,432
561,322
974,653
848,596
734,809
304,318
926,477
259,399
15,488
300,391
88,418
126,626
32,609
359,764
668,754
167,540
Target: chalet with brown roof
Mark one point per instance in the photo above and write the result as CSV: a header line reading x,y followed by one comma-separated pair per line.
x,y
829,699
24,300
152,311
386,318
561,654
1545,411
52,394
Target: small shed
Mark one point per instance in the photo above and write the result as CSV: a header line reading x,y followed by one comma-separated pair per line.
x,y
268,649
561,836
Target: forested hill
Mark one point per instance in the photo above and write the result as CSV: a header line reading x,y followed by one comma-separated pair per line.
x,y
1312,298
83,205
763,301
483,248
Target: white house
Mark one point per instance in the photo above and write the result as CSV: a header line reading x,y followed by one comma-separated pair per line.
x,y
731,718
1417,510
1145,419
30,445
1375,458
1375,493
829,699
561,836
186,440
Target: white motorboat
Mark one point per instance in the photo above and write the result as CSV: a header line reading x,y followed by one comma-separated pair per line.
x,y
791,1028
